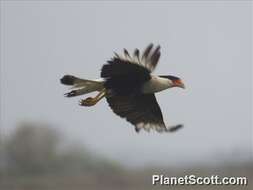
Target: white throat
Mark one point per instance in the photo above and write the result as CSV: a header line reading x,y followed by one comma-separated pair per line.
x,y
156,84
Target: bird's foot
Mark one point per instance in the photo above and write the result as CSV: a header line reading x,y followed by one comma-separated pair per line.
x,y
88,102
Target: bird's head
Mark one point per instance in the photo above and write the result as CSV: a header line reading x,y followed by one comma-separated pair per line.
x,y
174,81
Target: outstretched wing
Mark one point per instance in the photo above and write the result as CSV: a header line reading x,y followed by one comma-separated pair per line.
x,y
148,59
142,111
126,74
123,78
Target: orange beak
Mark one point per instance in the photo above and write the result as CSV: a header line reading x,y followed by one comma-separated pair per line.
x,y
178,83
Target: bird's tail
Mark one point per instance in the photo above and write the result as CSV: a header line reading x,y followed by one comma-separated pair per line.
x,y
81,86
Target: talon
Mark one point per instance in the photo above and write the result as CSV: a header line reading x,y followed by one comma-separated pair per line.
x,y
92,101
87,102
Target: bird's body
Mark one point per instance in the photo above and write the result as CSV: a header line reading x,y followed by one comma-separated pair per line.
x,y
128,85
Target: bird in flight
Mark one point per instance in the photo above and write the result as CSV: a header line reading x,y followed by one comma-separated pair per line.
x,y
128,85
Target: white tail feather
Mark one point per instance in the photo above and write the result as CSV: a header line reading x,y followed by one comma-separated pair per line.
x,y
83,86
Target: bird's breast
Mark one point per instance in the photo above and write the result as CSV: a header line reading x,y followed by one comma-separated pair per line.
x,y
155,84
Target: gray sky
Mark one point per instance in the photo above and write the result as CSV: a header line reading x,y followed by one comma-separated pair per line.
x,y
208,45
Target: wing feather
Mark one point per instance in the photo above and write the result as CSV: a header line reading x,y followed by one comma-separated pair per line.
x,y
149,58
155,57
146,52
136,56
142,111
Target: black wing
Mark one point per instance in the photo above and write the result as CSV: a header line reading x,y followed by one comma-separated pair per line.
x,y
125,74
124,78
142,111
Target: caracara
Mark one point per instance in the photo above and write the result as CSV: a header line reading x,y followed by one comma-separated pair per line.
x,y
128,86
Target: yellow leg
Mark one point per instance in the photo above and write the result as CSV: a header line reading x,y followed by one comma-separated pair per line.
x,y
92,101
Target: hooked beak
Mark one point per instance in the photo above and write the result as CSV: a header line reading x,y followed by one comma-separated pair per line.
x,y
179,83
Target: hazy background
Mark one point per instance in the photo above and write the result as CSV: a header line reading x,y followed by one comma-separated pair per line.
x,y
207,44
